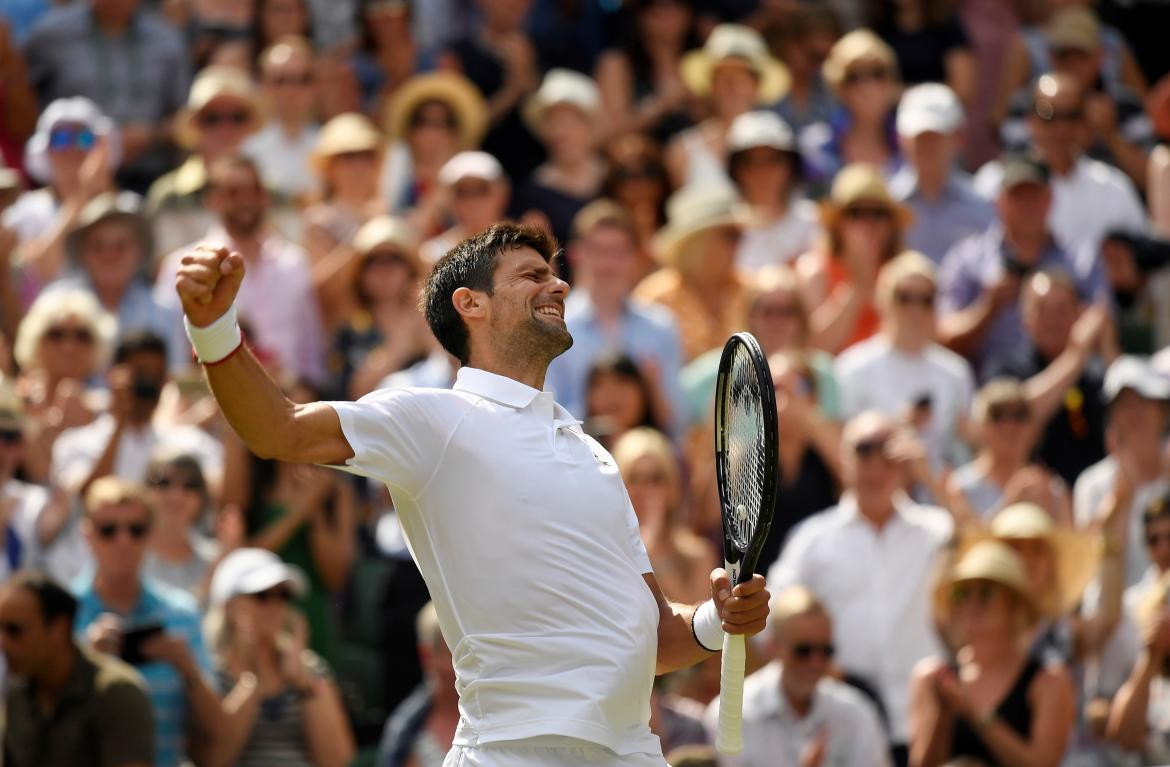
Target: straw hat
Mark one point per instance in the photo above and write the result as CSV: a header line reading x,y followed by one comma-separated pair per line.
x,y
858,45
1077,554
391,232
744,44
349,132
125,206
562,86
858,183
986,560
215,82
1075,29
696,209
453,90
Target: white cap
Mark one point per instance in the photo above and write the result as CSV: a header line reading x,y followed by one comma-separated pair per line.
x,y
77,110
470,165
1136,373
562,86
929,108
252,571
760,128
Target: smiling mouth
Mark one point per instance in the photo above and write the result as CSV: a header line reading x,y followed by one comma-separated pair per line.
x,y
552,311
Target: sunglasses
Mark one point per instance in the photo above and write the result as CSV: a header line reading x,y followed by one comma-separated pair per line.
x,y
235,118
1005,413
277,593
165,483
910,298
805,650
867,212
1049,115
11,437
443,122
467,192
11,630
1153,539
77,335
981,594
298,80
61,139
137,530
868,74
871,448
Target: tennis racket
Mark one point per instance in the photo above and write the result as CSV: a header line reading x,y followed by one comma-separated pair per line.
x,y
746,443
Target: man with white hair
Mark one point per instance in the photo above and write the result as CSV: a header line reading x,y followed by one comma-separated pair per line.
x,y
479,194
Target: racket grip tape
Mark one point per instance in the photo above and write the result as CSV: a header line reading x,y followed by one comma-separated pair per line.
x,y
729,738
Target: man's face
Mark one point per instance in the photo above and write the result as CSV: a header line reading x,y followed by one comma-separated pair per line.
x,y
764,175
223,124
25,639
238,197
1082,65
868,469
1058,123
290,85
1136,422
911,308
1049,313
1023,209
110,254
116,534
526,311
607,259
804,647
148,371
477,203
930,152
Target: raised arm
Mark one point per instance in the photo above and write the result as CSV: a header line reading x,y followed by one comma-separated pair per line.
x,y
269,424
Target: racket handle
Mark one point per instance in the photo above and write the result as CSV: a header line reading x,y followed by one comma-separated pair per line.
x,y
729,738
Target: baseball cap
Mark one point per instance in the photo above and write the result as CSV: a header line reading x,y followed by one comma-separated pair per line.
x,y
470,165
1136,373
252,571
760,128
1022,169
929,108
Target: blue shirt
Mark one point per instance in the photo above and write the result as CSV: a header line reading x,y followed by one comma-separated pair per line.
x,y
938,224
179,615
646,333
977,263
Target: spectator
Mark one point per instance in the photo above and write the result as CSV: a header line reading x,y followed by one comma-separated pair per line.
x,y
273,20
478,192
421,729
765,165
100,710
637,182
734,73
1136,419
386,331
432,118
387,57
109,253
811,32
222,111
929,42
26,510
155,629
863,74
128,61
902,372
18,103
877,596
698,282
73,153
603,318
1088,197
640,79
619,397
281,705
563,114
981,277
864,228
178,554
283,147
956,711
1135,268
62,344
795,712
945,206
276,299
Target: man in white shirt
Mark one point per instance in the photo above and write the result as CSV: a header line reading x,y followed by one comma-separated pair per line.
x,y
870,561
794,712
518,521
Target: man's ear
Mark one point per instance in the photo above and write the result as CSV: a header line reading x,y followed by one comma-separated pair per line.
x,y
469,303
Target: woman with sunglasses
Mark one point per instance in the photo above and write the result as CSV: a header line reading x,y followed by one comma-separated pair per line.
x,y
994,702
281,704
179,554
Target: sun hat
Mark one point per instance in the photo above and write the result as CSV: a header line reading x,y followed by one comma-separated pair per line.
x,y
859,45
1137,374
216,82
693,210
388,231
1074,28
454,90
125,206
77,111
252,571
741,43
929,108
859,183
479,165
562,86
345,133
986,560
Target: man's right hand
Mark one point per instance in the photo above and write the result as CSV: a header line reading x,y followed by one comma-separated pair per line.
x,y
207,282
105,634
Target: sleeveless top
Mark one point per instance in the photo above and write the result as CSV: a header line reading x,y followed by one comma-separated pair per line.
x,y
1014,711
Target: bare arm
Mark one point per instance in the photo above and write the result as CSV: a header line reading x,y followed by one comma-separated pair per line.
x,y
1093,631
932,725
240,709
332,540
962,74
1046,390
963,331
1128,714
327,732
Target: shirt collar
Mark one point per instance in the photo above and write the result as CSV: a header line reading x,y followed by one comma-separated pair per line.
x,y
508,392
848,506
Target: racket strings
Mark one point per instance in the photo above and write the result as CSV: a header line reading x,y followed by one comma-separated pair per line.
x,y
746,454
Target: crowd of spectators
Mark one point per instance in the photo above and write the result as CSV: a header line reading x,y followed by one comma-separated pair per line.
x,y
947,223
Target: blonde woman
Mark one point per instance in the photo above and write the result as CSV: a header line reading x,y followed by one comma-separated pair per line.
x,y
1138,715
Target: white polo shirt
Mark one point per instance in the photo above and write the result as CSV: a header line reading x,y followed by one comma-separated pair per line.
x,y
876,585
527,540
774,734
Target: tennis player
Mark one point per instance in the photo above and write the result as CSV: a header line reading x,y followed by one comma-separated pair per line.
x,y
519,522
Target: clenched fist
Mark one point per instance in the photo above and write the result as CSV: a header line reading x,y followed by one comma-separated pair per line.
x,y
207,282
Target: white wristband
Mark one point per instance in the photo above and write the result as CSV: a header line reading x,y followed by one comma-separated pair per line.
x,y
216,341
707,627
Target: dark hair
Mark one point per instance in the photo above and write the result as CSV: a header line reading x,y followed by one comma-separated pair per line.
x,y
624,367
472,264
138,342
260,42
186,463
1159,508
55,602
233,162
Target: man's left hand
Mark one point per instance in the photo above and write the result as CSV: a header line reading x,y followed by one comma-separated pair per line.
x,y
744,609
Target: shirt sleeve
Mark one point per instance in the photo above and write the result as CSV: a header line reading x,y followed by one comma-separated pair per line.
x,y
397,435
125,725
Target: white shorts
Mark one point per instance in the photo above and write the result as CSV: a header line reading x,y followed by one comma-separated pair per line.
x,y
546,752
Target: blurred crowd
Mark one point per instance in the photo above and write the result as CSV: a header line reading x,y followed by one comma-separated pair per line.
x,y
945,223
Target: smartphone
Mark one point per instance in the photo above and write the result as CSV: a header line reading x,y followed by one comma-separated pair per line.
x,y
133,639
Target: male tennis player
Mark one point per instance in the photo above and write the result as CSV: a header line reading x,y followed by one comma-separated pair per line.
x,y
518,521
